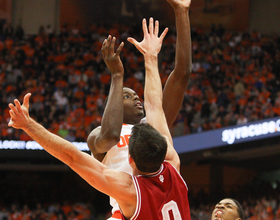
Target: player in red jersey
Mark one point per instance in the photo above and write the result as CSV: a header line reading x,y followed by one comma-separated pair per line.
x,y
156,190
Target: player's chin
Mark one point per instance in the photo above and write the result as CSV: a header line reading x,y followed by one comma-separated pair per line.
x,y
140,113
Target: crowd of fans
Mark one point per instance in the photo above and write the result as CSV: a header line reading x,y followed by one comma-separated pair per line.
x,y
259,202
235,77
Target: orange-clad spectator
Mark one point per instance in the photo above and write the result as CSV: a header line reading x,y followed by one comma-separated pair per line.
x,y
226,56
276,108
2,76
28,62
4,131
60,58
54,127
90,72
130,82
88,57
37,97
243,100
79,94
9,43
82,83
99,96
40,40
105,78
10,88
25,137
79,112
90,104
1,45
61,83
74,123
212,97
6,114
270,214
268,110
195,91
265,93
61,66
89,117
81,134
51,57
78,62
66,208
114,31
230,94
30,52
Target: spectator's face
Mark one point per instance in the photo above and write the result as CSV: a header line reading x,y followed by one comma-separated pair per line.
x,y
226,209
133,109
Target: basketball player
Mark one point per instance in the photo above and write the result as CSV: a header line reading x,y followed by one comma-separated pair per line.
x,y
156,190
228,209
109,143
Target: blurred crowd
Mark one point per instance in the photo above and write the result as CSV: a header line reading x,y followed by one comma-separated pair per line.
x,y
259,201
235,77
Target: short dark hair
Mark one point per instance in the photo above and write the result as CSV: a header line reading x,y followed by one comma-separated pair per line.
x,y
239,209
147,147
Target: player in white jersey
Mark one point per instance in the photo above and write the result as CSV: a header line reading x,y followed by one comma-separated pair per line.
x,y
123,104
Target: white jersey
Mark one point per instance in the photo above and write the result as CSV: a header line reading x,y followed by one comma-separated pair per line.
x,y
117,157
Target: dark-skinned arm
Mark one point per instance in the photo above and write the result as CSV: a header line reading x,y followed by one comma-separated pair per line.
x,y
103,138
177,82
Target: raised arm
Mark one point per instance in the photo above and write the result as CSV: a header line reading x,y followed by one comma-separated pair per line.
x,y
113,183
176,85
103,138
150,47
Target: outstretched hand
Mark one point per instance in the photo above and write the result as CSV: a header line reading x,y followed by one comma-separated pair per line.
x,y
151,44
180,3
112,58
19,113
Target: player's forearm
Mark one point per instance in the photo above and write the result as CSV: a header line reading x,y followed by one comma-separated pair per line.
x,y
153,87
112,119
183,56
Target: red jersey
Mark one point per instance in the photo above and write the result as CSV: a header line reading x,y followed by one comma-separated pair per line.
x,y
162,196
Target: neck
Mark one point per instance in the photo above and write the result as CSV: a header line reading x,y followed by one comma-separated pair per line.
x,y
132,121
138,172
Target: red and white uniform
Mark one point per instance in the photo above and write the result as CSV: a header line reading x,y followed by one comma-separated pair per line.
x,y
162,196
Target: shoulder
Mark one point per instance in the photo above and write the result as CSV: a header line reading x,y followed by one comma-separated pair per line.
x,y
143,120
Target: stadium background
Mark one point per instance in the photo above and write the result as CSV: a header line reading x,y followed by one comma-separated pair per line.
x,y
34,177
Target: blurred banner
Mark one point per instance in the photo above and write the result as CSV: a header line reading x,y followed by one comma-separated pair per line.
x,y
228,136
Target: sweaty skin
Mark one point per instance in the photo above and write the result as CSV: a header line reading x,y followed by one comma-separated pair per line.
x,y
226,209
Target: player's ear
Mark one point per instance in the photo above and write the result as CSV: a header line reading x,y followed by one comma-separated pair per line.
x,y
130,160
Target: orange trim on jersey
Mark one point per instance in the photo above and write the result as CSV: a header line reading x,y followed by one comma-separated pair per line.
x,y
117,214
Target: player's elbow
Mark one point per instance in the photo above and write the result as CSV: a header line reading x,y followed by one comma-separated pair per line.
x,y
113,138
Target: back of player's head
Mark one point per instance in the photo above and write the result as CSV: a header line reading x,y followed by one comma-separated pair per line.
x,y
147,147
